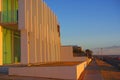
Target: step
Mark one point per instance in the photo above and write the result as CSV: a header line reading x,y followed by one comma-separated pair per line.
x,y
4,70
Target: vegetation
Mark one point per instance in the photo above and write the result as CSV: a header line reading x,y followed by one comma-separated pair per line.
x,y
77,52
89,53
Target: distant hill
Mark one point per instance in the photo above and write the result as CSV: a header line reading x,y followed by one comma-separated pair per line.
x,y
112,47
114,50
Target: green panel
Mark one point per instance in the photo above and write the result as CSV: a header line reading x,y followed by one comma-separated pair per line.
x,y
11,46
4,10
7,46
9,11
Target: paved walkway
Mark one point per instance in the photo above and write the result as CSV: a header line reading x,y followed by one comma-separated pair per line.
x,y
6,77
108,72
92,72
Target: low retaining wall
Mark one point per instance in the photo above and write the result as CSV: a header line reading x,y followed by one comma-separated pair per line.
x,y
58,72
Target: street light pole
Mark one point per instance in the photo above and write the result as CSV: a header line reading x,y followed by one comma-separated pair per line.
x,y
101,54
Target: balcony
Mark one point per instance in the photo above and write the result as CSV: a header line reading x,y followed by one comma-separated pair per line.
x,y
11,23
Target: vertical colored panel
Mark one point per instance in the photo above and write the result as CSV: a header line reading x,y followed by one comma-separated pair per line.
x,y
11,46
9,11
15,11
17,47
1,53
4,9
7,46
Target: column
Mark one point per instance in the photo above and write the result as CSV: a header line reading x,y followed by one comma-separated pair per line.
x,y
24,48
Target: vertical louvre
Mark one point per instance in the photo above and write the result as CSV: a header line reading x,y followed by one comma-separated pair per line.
x,y
41,25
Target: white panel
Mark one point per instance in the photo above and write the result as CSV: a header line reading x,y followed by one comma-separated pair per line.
x,y
40,24
39,32
44,15
46,23
21,14
49,35
37,35
24,47
35,39
31,23
53,37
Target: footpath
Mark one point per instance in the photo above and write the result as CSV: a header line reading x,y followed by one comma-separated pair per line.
x,y
100,70
92,72
108,71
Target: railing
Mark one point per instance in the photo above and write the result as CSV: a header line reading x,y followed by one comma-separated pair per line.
x,y
9,17
9,21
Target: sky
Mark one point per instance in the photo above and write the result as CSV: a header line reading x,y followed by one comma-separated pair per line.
x,y
88,23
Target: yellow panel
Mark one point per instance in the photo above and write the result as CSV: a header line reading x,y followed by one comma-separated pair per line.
x,y
0,4
1,55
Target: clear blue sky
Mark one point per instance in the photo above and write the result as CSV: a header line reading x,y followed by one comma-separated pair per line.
x,y
88,23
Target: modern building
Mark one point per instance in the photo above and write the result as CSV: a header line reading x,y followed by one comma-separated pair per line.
x,y
29,32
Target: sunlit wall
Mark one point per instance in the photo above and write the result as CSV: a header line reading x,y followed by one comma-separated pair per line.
x,y
40,39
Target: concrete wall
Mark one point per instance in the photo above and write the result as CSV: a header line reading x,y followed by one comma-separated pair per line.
x,y
67,54
40,40
60,72
80,68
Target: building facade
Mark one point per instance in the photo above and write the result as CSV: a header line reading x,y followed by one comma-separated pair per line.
x,y
29,32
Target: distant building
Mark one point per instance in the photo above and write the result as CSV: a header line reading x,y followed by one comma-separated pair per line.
x,y
29,32
72,53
